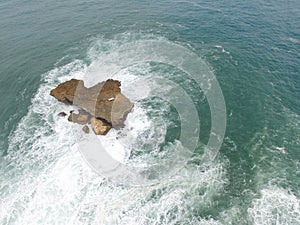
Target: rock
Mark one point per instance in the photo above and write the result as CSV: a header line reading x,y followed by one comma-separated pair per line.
x,y
62,114
80,118
65,92
86,129
95,100
104,100
99,126
120,109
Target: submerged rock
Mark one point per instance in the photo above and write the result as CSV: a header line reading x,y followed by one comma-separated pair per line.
x,y
81,118
86,129
62,114
104,101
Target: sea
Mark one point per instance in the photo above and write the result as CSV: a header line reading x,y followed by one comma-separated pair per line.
x,y
231,68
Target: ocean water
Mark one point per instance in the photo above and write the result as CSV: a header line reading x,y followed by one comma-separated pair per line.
x,y
251,47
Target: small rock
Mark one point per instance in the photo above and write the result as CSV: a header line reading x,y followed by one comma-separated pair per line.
x,y
86,129
80,118
99,126
62,114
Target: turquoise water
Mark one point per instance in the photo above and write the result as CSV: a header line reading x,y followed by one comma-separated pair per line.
x,y
251,47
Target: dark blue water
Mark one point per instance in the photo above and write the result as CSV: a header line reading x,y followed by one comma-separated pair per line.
x,y
251,47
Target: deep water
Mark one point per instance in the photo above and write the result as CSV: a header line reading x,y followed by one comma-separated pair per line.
x,y
252,48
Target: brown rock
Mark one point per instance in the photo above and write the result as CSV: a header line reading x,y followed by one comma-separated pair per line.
x,y
86,129
97,100
65,92
99,126
120,109
80,118
62,114
104,100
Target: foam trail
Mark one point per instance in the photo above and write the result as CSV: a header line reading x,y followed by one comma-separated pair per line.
x,y
44,179
275,206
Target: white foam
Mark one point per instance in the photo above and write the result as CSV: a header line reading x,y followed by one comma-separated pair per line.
x,y
294,40
275,206
46,181
218,46
222,49
166,203
34,149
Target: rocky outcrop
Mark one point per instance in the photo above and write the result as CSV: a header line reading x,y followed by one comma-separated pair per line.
x,y
65,92
103,105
